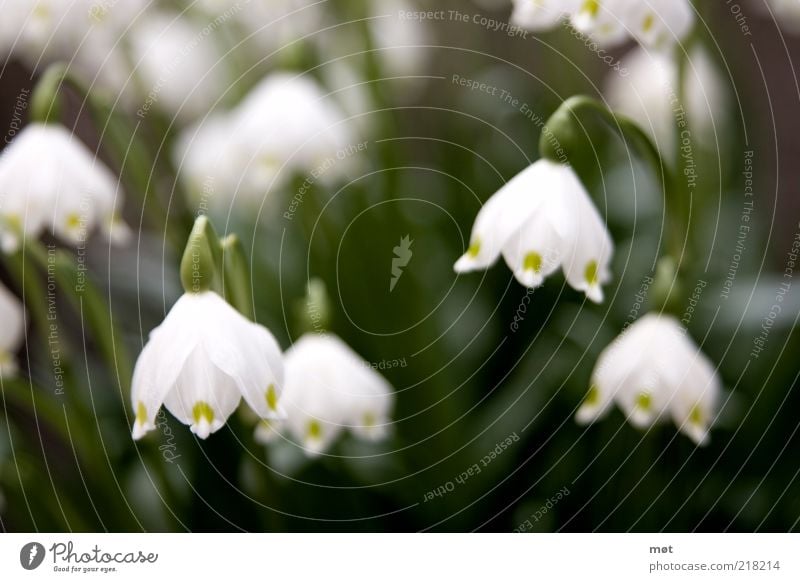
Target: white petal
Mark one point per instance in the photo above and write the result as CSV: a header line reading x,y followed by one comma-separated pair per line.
x,y
541,14
503,214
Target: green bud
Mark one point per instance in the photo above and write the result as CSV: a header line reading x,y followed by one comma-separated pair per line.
x,y
666,285
313,311
45,105
562,133
201,258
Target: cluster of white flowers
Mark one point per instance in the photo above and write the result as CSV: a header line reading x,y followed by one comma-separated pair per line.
x,y
540,220
329,388
50,180
12,332
654,371
655,23
286,126
206,356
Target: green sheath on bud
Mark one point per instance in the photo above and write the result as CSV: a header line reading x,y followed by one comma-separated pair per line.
x,y
45,104
236,276
201,258
561,134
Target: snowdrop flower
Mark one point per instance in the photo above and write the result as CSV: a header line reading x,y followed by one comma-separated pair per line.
x,y
400,43
49,179
647,95
330,388
12,332
653,370
178,65
200,362
654,23
541,220
285,126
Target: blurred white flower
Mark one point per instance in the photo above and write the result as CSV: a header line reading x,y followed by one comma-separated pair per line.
x,y
648,96
200,362
400,43
541,219
178,64
329,388
786,12
286,126
49,179
12,332
655,23
652,371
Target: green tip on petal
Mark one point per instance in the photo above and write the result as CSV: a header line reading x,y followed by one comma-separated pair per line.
x,y
272,398
314,430
696,415
532,262
649,22
590,274
592,396
644,401
474,249
202,410
141,413
591,7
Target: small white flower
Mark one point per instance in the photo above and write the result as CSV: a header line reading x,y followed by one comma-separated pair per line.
x,y
284,127
647,95
49,179
654,23
200,362
329,388
179,67
540,220
653,370
12,331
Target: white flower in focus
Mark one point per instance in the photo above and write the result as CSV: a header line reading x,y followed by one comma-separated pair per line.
x,y
654,23
329,388
286,126
49,179
540,220
200,362
179,67
647,95
12,332
652,371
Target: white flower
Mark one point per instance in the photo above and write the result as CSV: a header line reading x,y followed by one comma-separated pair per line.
x,y
542,14
179,67
12,331
647,95
653,370
201,361
655,23
284,127
786,12
542,219
330,388
400,44
49,179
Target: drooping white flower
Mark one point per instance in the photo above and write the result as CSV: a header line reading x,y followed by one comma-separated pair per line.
x,y
201,361
12,331
284,127
654,23
653,371
329,388
648,96
540,220
178,65
401,44
49,179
